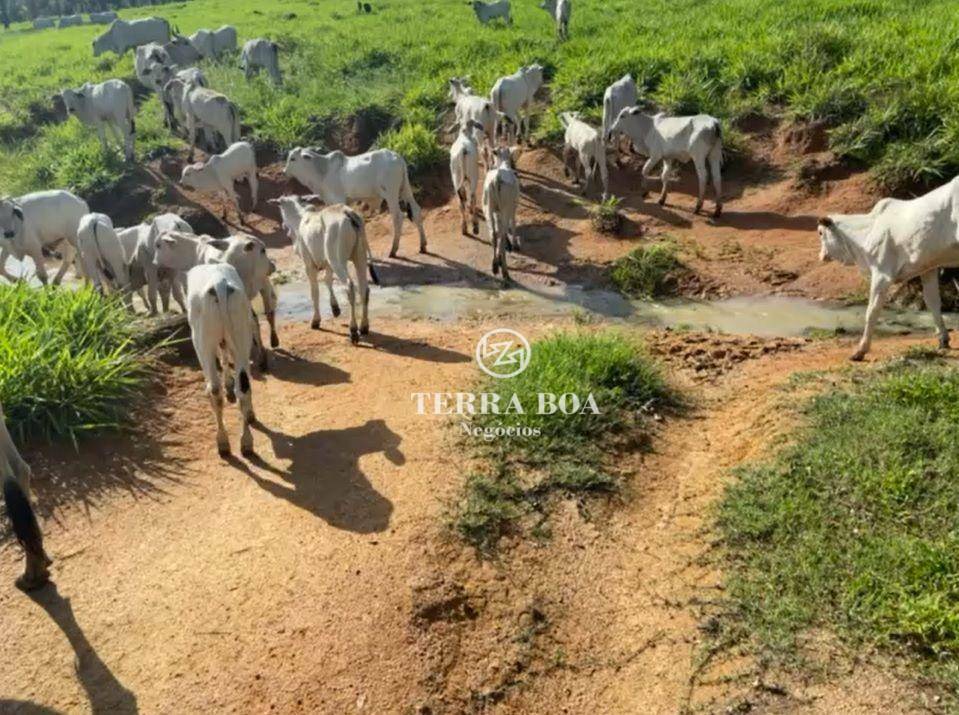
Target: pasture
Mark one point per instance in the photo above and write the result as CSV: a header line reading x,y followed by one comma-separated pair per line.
x,y
711,522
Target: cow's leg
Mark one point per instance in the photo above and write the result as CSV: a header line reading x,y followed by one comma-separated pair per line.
x,y
312,277
354,330
177,289
153,283
264,363
667,168
4,255
393,203
254,189
235,198
461,197
930,293
647,167
191,134
214,386
39,264
473,211
244,392
502,231
715,164
363,286
102,133
334,303
164,288
878,290
700,165
268,296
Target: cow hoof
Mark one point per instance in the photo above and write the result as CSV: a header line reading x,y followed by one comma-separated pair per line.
x,y
662,201
857,356
944,343
365,330
719,211
392,254
32,584
224,451
354,336
231,397
699,207
464,229
274,340
315,325
336,310
264,365
423,248
476,227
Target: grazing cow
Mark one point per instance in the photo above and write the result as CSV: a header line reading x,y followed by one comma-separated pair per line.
x,y
36,224
102,18
41,23
326,239
102,256
895,242
182,52
144,270
261,54
464,168
123,34
203,107
70,21
179,251
486,11
202,40
224,40
500,201
219,317
618,96
374,177
512,96
15,474
560,11
673,140
471,107
108,104
172,94
583,149
221,171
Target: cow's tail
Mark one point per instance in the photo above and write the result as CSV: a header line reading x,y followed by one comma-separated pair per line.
x,y
495,97
406,194
221,292
718,143
334,250
363,243
235,123
20,511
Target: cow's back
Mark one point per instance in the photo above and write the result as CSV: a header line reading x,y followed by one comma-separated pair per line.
x,y
54,214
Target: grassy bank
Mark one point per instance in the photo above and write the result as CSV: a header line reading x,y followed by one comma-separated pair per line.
x,y
69,363
854,527
550,454
884,73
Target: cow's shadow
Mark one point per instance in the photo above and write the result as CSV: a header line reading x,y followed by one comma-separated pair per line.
x,y
105,692
324,476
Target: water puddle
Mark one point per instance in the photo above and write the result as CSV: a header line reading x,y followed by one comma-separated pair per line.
x,y
754,315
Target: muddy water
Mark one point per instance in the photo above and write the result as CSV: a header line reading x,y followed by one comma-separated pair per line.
x,y
754,315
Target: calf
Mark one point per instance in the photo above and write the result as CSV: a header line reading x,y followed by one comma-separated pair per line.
x,y
261,54
470,107
219,317
512,96
675,139
895,242
500,201
584,150
179,252
560,11
144,270
326,239
108,104
374,177
206,108
618,96
464,168
221,171
36,224
102,255
486,11
15,474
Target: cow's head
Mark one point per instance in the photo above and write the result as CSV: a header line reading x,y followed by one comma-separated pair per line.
x,y
832,245
193,176
11,219
102,43
175,250
73,99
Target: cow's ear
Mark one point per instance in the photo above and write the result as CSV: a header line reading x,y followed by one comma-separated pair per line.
x,y
827,222
18,212
249,246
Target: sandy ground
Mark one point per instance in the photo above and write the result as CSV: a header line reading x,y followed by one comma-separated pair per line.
x,y
320,576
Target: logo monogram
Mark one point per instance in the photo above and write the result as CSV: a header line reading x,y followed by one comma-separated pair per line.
x,y
503,353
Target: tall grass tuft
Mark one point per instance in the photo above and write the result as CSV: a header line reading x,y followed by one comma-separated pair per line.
x,y
69,361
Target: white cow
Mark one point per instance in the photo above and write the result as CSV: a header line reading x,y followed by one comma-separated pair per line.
x,y
486,11
123,34
897,241
15,475
673,140
202,40
224,39
35,224
583,149
500,201
560,11
512,96
150,63
203,107
221,171
180,251
102,255
102,18
464,168
374,177
618,96
261,54
41,23
108,104
172,94
326,239
470,107
181,51
219,315
144,270
70,21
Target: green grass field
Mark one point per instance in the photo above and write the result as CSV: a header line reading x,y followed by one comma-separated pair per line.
x,y
883,73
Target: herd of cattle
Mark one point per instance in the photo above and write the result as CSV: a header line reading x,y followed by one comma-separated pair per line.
x,y
214,280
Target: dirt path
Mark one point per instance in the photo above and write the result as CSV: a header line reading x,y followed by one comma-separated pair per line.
x,y
320,577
